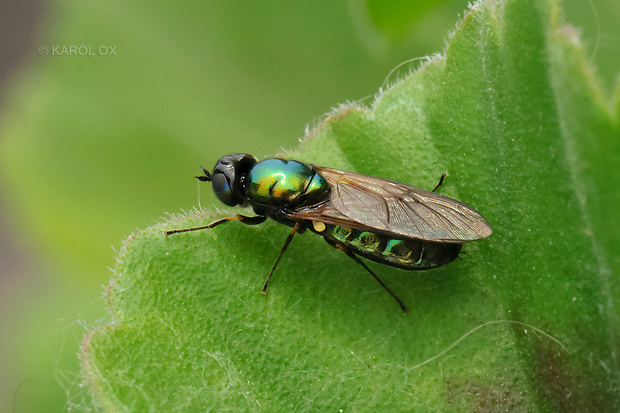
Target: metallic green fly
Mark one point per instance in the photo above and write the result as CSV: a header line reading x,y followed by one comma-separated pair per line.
x,y
382,220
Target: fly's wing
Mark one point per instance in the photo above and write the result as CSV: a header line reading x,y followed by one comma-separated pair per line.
x,y
365,202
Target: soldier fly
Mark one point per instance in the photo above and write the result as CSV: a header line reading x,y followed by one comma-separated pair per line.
x,y
379,219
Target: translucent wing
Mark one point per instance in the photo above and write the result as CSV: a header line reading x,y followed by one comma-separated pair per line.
x,y
366,202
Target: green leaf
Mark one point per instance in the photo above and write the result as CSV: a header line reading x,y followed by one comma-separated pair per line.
x,y
525,322
93,146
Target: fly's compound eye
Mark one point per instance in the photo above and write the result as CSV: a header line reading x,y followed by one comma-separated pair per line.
x,y
222,189
228,175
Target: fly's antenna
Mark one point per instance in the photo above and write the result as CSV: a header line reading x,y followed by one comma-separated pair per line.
x,y
206,177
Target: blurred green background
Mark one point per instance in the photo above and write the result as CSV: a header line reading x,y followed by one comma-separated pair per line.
x,y
105,139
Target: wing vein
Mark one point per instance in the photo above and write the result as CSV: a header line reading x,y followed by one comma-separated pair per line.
x,y
362,201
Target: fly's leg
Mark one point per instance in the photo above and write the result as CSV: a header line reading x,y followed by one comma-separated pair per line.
x,y
440,182
360,262
286,242
259,219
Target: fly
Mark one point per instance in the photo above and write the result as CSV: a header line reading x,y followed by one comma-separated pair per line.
x,y
379,219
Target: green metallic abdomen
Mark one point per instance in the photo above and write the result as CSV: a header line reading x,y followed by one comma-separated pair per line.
x,y
278,182
408,254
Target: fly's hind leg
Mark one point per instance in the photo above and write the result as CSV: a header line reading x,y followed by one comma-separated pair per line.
x,y
259,219
358,260
440,182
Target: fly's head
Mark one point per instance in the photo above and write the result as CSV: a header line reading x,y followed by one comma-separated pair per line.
x,y
228,177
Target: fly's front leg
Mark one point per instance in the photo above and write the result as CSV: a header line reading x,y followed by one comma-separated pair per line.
x,y
259,219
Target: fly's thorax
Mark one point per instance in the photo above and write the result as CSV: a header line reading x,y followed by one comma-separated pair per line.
x,y
409,254
278,182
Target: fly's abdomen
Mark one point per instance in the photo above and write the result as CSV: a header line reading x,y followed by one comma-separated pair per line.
x,y
408,254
